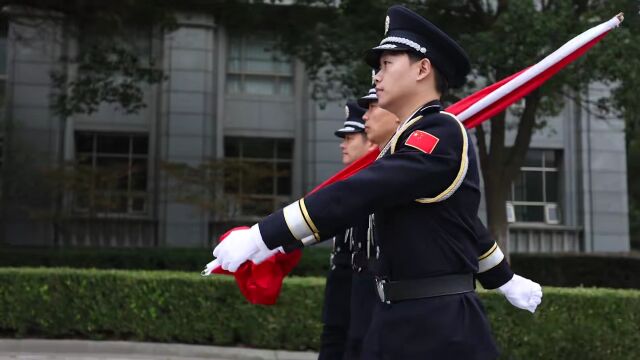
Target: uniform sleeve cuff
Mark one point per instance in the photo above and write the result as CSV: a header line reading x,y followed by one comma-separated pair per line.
x,y
275,232
496,276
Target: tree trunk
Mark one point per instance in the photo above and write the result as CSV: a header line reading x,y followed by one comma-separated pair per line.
x,y
500,166
496,199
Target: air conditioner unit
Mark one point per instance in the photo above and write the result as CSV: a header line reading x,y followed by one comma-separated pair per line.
x,y
551,215
511,213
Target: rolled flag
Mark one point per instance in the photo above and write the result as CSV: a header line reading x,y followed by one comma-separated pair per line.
x,y
259,283
482,105
486,103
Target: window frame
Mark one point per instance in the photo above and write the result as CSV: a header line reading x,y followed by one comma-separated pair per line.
x,y
130,193
277,77
277,199
545,204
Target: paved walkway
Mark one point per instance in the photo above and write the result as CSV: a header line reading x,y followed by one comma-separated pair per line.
x,y
37,349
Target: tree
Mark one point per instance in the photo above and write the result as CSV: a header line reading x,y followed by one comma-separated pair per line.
x,y
501,37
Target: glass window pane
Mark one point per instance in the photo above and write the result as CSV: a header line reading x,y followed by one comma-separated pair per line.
x,y
235,44
118,203
234,65
259,66
258,148
259,85
259,178
550,159
112,173
285,149
552,186
84,142
231,147
528,186
257,49
284,178
234,85
286,87
257,206
113,144
533,158
519,188
138,204
284,67
139,175
141,145
529,213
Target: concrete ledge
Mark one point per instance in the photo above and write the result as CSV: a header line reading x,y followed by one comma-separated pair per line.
x,y
59,349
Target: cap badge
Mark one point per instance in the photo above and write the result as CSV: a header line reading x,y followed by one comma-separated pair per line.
x,y
346,111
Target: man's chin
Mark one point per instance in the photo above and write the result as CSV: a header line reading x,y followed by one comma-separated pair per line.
x,y
384,102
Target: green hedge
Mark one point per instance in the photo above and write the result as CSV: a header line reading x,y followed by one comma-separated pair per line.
x,y
553,270
181,307
315,261
570,270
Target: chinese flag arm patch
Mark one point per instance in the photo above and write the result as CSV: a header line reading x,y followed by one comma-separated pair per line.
x,y
422,141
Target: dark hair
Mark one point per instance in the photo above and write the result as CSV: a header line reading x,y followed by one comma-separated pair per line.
x,y
442,86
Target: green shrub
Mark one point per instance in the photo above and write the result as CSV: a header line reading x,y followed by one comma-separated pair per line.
x,y
315,261
570,270
182,307
548,269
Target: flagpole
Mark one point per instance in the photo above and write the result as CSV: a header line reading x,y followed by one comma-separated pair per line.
x,y
537,69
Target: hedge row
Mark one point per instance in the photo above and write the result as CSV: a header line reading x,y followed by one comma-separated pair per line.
x,y
548,269
180,307
570,270
315,261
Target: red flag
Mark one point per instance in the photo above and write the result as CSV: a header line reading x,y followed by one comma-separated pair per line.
x,y
261,284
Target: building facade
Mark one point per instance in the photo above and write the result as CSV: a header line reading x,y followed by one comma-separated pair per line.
x,y
235,99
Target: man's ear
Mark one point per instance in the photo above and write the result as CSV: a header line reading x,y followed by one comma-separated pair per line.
x,y
424,68
371,146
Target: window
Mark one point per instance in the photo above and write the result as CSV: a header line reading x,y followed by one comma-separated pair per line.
x,y
535,193
112,173
261,183
255,67
135,40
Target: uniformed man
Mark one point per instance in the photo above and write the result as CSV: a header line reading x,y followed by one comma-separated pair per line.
x,y
336,312
424,194
494,271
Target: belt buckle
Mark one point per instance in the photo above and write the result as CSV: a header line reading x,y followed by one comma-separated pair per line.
x,y
380,287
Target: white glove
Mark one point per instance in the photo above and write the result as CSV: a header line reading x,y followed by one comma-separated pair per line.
x,y
522,293
240,246
263,255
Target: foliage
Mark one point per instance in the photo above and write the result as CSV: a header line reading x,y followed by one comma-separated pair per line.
x,y
107,66
178,307
315,261
547,269
222,186
579,269
107,73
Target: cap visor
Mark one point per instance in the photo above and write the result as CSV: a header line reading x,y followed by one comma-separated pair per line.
x,y
366,100
372,57
344,131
